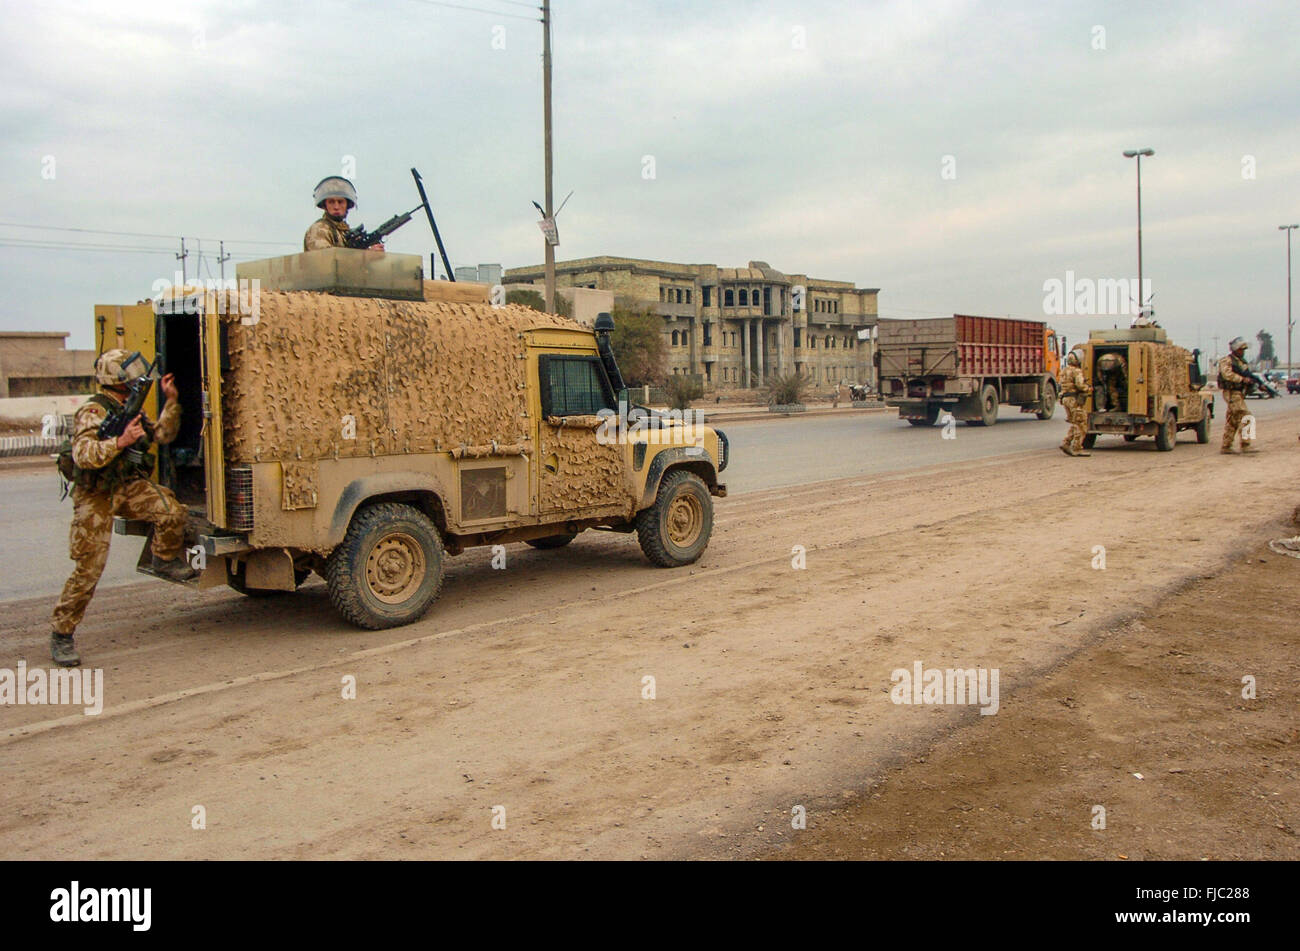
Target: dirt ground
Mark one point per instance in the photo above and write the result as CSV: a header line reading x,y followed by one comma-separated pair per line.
x,y
523,696
1160,697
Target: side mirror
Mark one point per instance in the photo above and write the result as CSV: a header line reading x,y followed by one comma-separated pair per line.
x,y
604,323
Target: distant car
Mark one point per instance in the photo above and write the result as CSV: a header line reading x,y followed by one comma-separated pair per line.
x,y
1293,385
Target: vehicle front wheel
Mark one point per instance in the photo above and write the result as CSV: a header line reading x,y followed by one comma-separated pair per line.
x,y
387,571
676,529
1203,429
1167,433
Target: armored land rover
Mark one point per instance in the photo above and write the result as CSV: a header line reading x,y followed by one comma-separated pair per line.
x,y
364,423
1157,387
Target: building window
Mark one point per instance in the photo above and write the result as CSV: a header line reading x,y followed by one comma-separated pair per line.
x,y
744,297
797,331
728,298
688,297
707,295
708,334
674,338
679,295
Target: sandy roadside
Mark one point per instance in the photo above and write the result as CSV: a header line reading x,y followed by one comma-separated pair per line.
x,y
524,689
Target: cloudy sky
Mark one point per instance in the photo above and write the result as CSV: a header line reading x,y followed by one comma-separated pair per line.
x,y
957,155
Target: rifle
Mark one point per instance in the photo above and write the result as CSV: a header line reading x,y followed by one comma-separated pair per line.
x,y
137,393
359,237
1260,382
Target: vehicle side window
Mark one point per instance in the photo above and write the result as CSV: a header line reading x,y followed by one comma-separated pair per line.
x,y
573,386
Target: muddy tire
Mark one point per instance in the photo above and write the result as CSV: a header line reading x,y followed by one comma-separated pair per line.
x,y
1203,429
1167,433
1089,440
236,581
387,571
988,407
931,414
551,541
1048,406
676,529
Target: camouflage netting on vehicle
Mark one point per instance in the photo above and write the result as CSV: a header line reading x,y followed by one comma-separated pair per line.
x,y
1169,369
586,472
320,376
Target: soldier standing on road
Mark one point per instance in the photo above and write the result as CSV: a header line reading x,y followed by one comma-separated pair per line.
x,y
1233,385
337,197
1074,396
111,477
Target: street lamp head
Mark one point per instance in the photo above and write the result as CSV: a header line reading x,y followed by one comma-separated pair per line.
x,y
1286,227
1134,153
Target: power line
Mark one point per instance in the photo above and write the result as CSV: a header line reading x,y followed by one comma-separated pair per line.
x,y
133,234
496,13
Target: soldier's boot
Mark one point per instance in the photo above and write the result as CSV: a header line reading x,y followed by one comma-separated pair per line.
x,y
1082,452
1247,447
63,651
1065,448
177,569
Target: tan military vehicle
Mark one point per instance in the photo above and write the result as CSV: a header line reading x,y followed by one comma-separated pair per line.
x,y
364,424
1143,385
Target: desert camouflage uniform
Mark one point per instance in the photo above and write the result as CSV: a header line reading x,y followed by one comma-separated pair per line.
x,y
1074,393
117,491
1233,386
1113,371
324,232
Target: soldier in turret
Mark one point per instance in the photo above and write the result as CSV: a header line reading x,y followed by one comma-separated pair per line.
x,y
337,196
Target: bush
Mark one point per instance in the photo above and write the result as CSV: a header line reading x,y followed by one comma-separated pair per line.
x,y
786,389
639,347
682,389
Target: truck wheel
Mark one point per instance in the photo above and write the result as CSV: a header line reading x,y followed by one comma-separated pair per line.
x,y
1203,429
1129,437
1049,403
1167,433
388,568
988,406
236,581
676,529
551,541
1089,440
931,414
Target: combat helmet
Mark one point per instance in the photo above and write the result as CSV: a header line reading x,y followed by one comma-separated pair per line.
x,y
119,367
1075,356
1238,343
335,186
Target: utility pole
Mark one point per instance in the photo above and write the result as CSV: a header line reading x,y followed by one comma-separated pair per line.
x,y
222,258
1138,153
1289,322
546,119
181,257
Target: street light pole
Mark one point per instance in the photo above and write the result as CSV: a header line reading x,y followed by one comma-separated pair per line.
x,y
546,118
1138,153
1289,322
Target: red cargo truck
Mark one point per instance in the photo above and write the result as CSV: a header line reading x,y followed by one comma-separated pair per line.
x,y
967,365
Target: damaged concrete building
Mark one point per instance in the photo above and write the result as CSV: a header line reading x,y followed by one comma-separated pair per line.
x,y
737,326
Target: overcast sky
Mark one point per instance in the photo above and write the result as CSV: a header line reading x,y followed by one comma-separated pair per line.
x,y
811,135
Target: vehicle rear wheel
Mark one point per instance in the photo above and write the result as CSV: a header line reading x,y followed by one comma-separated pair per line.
x,y
1129,437
1049,403
1203,429
676,529
387,571
988,406
1167,433
551,541
931,414
1089,440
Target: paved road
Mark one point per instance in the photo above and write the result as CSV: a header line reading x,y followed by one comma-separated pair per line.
x,y
766,454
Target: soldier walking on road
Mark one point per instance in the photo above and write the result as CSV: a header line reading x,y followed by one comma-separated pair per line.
x,y
1233,385
111,477
1074,396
